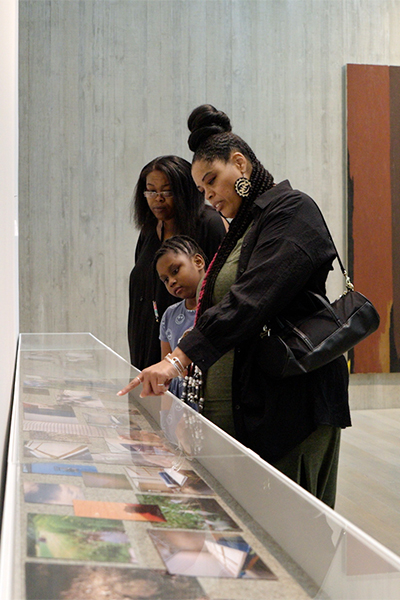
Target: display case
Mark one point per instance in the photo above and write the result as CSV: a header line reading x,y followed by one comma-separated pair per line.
x,y
123,497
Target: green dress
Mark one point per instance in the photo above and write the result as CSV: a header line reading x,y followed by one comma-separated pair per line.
x,y
218,389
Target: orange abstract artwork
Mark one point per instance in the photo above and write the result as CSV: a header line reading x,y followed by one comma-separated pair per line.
x,y
373,145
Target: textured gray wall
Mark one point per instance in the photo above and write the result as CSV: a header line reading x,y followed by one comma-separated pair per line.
x,y
106,85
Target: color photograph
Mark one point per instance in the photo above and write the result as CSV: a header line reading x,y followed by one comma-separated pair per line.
x,y
106,480
52,493
78,538
138,458
104,420
191,513
80,582
46,412
38,391
37,382
79,398
77,357
147,437
118,510
57,450
113,458
42,356
209,555
62,428
57,469
168,481
135,447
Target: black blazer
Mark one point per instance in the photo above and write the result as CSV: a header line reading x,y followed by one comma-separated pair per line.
x,y
286,251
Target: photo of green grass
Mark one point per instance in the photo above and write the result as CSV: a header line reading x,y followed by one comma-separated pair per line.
x,y
78,538
191,513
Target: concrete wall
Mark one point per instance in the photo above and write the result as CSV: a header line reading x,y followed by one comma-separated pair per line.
x,y
106,85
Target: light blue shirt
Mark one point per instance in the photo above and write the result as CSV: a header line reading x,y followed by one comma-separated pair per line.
x,y
175,321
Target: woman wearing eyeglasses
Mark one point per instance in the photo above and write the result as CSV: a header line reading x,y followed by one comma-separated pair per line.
x,y
165,202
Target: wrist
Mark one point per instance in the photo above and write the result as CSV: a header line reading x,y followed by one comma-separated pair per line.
x,y
175,361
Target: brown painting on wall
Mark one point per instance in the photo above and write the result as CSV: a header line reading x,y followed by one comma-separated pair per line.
x,y
373,145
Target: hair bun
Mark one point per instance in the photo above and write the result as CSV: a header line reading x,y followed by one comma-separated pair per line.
x,y
204,121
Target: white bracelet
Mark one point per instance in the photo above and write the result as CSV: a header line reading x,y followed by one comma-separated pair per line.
x,y
174,360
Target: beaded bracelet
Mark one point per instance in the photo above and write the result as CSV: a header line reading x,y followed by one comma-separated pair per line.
x,y
174,360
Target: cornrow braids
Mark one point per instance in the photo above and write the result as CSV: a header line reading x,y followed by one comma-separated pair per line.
x,y
261,181
179,244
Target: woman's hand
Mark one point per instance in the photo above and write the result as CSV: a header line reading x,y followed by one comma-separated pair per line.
x,y
156,379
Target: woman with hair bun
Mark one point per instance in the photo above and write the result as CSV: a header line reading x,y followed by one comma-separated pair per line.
x,y
165,203
277,248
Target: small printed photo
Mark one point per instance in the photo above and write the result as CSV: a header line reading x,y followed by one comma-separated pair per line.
x,y
77,357
36,382
46,412
134,447
139,458
104,420
168,481
126,429
112,458
42,356
56,436
79,398
106,480
57,469
191,513
209,555
52,493
147,437
37,391
118,510
62,428
131,410
72,582
56,450
78,538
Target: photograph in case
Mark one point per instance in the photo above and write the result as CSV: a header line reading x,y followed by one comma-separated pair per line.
x,y
78,538
191,513
209,555
57,469
52,493
168,481
106,480
81,582
118,510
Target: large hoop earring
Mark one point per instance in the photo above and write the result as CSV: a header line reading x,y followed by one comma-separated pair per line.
x,y
242,187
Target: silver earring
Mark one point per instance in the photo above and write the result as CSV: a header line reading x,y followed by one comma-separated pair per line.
x,y
242,187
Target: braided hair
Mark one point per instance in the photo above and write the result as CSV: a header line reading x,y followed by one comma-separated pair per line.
x,y
179,244
211,138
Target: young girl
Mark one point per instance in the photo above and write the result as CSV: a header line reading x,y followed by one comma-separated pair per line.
x,y
180,264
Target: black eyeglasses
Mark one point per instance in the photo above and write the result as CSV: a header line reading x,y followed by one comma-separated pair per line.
x,y
153,195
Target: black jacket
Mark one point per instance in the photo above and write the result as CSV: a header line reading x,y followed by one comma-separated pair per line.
x,y
286,251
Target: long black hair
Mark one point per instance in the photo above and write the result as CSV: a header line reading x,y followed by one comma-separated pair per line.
x,y
188,202
211,138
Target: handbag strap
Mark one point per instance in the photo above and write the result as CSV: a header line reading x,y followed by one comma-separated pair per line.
x,y
349,285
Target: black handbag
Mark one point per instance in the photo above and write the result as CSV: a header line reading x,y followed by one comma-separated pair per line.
x,y
333,329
